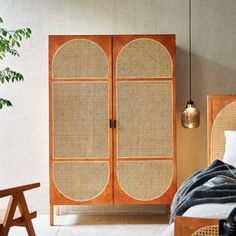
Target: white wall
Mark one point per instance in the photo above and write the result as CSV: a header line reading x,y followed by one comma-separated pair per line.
x,y
24,128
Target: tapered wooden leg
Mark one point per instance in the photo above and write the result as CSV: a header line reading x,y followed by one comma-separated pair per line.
x,y
51,215
57,210
26,215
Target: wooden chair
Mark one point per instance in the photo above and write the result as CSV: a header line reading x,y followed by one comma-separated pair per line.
x,y
10,217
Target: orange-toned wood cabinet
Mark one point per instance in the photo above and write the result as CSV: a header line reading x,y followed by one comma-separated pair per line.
x,y
112,119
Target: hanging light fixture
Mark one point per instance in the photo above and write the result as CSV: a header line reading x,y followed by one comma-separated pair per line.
x,y
190,117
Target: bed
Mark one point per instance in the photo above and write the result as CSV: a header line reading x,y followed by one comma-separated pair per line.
x,y
203,219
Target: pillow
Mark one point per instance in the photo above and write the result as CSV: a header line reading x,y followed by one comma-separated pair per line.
x,y
230,147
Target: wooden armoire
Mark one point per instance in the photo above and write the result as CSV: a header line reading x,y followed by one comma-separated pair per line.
x,y
112,119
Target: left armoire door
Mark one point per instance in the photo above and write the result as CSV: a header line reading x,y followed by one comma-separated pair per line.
x,y
80,84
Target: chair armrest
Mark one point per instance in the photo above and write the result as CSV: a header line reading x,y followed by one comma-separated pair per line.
x,y
12,191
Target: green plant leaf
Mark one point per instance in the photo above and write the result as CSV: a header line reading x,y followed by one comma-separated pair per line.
x,y
9,41
5,102
8,75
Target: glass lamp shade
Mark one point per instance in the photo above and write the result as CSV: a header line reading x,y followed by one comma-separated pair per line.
x,y
190,117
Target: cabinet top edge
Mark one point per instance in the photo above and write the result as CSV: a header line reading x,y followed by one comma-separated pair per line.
x,y
109,35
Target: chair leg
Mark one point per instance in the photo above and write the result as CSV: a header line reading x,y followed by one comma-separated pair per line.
x,y
51,215
8,219
26,215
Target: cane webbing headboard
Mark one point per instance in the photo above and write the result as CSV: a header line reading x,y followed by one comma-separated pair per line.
x,y
211,230
221,112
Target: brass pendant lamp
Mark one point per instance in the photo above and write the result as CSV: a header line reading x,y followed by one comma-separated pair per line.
x,y
190,117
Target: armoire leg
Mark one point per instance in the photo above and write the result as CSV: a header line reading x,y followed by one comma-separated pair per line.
x,y
51,215
57,210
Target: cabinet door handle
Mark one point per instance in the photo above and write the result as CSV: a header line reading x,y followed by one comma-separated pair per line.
x,y
112,124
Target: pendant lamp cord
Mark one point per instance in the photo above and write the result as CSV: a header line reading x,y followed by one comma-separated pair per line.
x,y
190,53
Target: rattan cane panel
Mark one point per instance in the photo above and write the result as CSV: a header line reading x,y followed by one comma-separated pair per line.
x,y
78,59
212,230
145,180
81,181
144,119
80,120
144,58
225,120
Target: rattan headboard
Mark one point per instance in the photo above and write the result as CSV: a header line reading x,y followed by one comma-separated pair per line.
x,y
221,116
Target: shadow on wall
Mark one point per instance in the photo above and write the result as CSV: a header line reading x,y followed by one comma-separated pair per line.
x,y
208,77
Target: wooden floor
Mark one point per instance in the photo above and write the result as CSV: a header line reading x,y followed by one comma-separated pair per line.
x,y
80,225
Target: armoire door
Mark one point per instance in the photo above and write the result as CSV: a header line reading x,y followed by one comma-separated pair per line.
x,y
80,80
144,110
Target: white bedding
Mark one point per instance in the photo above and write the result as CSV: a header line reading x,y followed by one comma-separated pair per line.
x,y
209,210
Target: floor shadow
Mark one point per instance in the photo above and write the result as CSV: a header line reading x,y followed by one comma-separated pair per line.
x,y
114,219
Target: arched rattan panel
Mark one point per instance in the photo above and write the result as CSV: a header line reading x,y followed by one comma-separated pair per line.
x,y
81,181
145,119
225,120
144,58
80,58
80,120
145,180
211,230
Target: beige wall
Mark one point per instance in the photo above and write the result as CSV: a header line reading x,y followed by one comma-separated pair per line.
x,y
24,128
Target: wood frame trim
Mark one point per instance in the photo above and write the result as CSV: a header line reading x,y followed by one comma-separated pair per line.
x,y
83,80
187,226
143,79
143,158
215,103
79,159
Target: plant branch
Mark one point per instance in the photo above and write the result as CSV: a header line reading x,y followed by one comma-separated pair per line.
x,y
9,41
8,75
